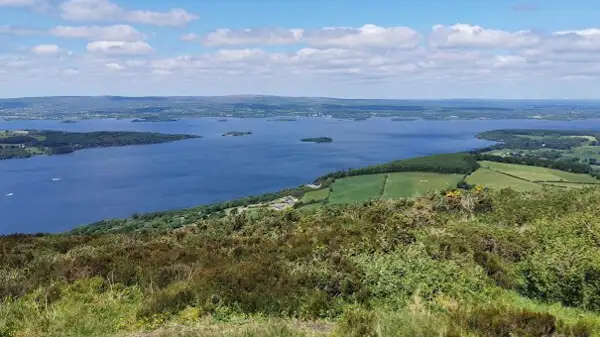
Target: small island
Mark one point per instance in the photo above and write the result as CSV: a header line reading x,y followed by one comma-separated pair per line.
x,y
236,134
285,119
69,121
403,119
317,140
28,143
153,119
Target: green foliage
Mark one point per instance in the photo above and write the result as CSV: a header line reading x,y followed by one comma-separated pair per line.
x,y
442,163
563,165
498,180
61,142
357,189
565,267
410,184
501,322
462,263
357,322
536,139
316,195
167,220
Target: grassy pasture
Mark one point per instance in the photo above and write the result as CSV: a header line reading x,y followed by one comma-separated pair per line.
x,y
316,195
496,180
310,207
584,152
408,184
534,173
569,184
589,138
356,189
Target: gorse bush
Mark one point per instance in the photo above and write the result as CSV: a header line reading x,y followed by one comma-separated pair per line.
x,y
462,254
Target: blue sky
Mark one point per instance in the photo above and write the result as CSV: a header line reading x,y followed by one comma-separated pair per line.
x,y
342,48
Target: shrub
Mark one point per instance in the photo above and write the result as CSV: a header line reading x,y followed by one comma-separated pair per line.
x,y
356,322
504,322
170,300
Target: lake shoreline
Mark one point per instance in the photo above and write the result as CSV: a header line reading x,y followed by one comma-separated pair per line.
x,y
105,183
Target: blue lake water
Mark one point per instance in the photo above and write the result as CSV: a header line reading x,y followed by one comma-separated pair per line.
x,y
98,184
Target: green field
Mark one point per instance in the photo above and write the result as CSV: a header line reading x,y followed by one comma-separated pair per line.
x,y
316,195
496,180
589,138
535,173
408,184
310,207
356,189
570,185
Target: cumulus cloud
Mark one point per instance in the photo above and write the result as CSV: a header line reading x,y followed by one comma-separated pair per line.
x,y
461,55
106,33
466,35
45,49
264,36
119,47
575,40
367,36
105,10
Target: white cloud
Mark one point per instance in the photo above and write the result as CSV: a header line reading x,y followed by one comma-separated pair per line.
x,y
105,10
102,33
367,36
590,32
575,40
174,18
114,66
45,49
466,35
462,56
119,47
265,36
190,37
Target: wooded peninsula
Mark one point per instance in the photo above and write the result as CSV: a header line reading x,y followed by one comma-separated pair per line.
x,y
27,143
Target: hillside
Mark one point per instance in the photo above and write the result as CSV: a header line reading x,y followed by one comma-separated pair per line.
x,y
458,263
457,245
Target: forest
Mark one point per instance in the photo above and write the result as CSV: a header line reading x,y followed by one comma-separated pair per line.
x,y
563,165
442,163
537,139
19,144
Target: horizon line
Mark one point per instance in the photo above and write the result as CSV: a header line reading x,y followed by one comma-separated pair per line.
x,y
309,97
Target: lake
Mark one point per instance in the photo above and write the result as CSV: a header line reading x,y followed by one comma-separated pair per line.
x,y
58,193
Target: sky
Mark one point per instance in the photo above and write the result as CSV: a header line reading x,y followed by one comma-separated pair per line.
x,y
335,48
